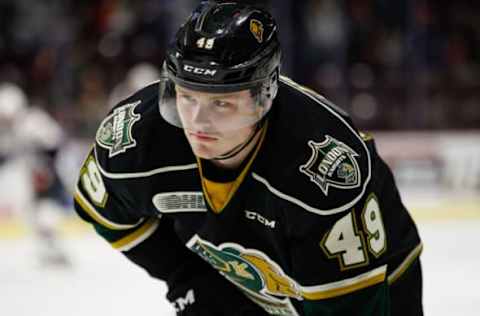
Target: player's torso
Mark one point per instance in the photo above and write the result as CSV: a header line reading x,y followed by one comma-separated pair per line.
x,y
310,181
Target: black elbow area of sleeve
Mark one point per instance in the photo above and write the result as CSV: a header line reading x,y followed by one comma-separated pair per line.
x,y
81,213
162,253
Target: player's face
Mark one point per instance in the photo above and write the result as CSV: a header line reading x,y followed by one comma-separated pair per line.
x,y
215,123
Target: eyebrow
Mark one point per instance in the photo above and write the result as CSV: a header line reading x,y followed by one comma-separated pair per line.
x,y
211,95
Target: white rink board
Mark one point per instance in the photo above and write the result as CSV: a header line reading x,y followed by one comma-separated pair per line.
x,y
102,282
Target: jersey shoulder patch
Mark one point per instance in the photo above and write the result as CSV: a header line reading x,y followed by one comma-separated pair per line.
x,y
135,139
332,164
321,164
115,131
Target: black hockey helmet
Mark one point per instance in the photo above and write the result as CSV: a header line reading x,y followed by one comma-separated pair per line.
x,y
223,47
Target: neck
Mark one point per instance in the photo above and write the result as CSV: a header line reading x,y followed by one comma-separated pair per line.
x,y
236,160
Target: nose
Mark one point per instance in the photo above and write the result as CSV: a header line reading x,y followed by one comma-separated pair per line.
x,y
201,117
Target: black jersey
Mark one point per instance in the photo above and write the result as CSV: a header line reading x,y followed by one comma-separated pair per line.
x,y
312,222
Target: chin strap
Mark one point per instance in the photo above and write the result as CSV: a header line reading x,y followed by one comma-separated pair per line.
x,y
237,149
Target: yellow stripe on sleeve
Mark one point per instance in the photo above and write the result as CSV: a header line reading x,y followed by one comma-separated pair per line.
x,y
96,216
405,264
324,291
131,240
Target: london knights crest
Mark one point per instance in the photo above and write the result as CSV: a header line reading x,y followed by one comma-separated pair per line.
x,y
332,163
115,132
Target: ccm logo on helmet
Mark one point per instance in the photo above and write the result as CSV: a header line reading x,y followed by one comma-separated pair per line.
x,y
199,71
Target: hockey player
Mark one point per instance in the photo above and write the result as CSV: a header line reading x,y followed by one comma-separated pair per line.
x,y
29,142
246,192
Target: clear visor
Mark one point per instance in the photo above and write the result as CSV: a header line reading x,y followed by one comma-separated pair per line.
x,y
210,112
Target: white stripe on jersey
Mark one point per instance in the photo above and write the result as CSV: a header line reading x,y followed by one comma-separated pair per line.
x,y
300,203
145,173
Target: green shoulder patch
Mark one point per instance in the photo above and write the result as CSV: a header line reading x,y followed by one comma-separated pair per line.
x,y
115,131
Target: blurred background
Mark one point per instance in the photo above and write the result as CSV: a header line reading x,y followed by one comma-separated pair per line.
x,y
407,71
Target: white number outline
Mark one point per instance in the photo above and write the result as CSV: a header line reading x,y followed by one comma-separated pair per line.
x,y
340,254
371,235
90,170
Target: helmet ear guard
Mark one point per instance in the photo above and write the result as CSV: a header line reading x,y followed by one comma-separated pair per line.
x,y
267,90
271,86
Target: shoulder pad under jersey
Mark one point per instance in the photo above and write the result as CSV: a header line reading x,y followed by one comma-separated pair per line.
x,y
317,159
134,139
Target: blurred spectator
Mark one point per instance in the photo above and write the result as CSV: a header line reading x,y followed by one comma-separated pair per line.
x,y
29,142
393,65
137,77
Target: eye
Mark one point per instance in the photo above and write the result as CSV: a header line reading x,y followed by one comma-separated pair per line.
x,y
221,104
186,98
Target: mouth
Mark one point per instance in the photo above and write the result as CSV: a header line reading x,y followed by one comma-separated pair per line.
x,y
202,136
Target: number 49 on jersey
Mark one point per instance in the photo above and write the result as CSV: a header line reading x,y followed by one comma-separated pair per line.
x,y
347,243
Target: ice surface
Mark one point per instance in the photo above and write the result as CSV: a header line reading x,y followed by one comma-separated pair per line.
x,y
100,282
103,282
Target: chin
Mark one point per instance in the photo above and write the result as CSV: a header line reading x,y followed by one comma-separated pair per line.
x,y
203,152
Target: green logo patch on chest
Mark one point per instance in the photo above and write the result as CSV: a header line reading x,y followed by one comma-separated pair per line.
x,y
115,132
260,278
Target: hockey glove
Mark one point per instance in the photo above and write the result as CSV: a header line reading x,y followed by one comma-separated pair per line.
x,y
209,294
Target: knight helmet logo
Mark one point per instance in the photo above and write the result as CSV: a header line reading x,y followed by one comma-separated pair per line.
x,y
332,163
256,27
